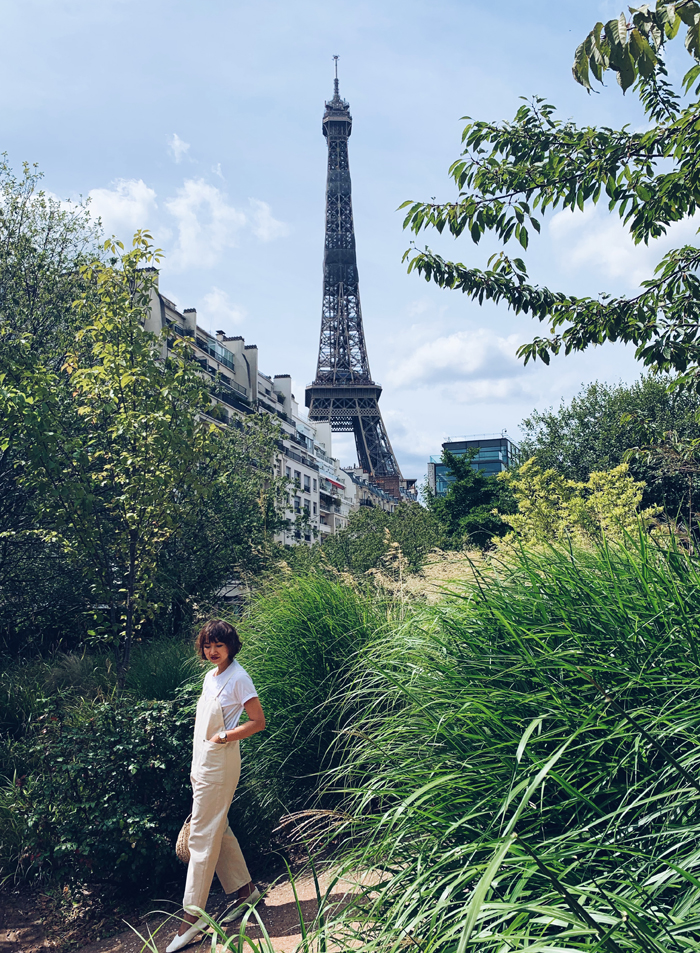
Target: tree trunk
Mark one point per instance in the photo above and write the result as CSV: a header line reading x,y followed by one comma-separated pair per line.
x,y
129,631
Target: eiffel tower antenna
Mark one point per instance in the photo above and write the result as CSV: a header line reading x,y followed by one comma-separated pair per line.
x,y
343,393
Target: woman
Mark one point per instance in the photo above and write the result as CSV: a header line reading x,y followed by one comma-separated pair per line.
x,y
216,767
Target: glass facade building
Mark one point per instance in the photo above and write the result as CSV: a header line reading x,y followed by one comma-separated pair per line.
x,y
494,454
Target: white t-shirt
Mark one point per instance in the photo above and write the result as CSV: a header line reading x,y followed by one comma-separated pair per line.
x,y
238,690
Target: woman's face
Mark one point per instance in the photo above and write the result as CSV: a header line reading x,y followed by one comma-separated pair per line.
x,y
216,652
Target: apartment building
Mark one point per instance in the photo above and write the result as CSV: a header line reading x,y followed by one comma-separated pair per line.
x,y
363,493
320,495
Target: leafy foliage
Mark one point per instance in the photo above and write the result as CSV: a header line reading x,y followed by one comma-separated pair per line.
x,y
551,508
107,805
604,423
365,541
120,454
470,512
633,49
43,245
510,172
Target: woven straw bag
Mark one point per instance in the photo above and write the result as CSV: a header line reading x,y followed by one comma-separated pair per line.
x,y
182,845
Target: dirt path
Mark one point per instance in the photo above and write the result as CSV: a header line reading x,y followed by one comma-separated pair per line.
x,y
27,924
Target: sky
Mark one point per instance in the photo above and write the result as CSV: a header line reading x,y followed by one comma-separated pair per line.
x,y
201,122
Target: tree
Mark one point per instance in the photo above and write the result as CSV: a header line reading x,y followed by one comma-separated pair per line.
x,y
551,508
123,458
605,425
229,532
369,536
470,510
509,172
43,244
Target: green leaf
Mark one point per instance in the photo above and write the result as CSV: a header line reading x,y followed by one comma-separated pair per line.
x,y
642,53
692,39
580,67
669,19
616,31
627,72
688,13
690,77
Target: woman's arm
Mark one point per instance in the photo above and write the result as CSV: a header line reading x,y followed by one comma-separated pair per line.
x,y
255,723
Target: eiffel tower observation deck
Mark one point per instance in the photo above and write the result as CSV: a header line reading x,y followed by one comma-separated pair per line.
x,y
343,393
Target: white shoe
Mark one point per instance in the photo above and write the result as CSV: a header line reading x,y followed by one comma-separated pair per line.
x,y
240,906
178,942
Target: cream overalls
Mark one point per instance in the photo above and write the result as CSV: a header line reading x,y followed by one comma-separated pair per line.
x,y
216,769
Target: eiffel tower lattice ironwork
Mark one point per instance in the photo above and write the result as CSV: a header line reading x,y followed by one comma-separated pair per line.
x,y
343,393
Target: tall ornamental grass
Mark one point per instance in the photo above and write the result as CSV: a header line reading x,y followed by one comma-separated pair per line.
x,y
520,764
301,640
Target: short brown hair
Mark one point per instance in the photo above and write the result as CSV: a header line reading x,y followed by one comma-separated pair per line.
x,y
216,630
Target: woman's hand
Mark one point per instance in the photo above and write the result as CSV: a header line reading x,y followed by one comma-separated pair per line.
x,y
255,723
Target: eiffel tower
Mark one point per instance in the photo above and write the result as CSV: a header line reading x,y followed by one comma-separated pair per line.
x,y
343,393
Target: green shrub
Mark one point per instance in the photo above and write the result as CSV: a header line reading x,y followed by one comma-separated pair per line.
x,y
508,801
108,790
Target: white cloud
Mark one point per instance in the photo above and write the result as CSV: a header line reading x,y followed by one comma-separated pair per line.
x,y
594,240
129,205
216,169
406,439
501,390
207,225
219,310
265,226
177,147
477,355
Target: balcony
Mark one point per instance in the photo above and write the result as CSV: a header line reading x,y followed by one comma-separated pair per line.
x,y
265,403
181,332
299,458
235,386
218,352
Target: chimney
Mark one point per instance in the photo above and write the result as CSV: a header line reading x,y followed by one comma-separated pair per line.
x,y
190,316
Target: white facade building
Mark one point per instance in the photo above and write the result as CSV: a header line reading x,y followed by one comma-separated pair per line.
x,y
321,495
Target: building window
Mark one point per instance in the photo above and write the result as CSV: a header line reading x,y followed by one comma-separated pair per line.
x,y
315,484
315,509
306,506
297,505
307,537
289,472
297,477
307,483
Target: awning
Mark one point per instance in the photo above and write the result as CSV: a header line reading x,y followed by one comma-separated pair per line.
x,y
340,486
